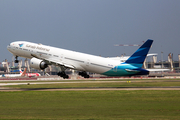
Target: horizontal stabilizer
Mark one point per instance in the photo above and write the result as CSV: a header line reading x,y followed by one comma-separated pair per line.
x,y
129,70
158,70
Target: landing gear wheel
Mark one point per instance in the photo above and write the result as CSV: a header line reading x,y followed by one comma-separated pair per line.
x,y
66,77
16,61
63,74
84,74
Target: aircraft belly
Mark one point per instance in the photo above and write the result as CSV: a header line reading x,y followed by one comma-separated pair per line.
x,y
126,70
121,70
117,73
96,69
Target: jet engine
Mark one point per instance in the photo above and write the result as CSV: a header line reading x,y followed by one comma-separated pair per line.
x,y
38,64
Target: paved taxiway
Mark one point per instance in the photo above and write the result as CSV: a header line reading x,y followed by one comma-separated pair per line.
x,y
82,89
99,81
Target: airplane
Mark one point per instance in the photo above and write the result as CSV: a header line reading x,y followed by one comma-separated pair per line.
x,y
21,74
42,55
30,74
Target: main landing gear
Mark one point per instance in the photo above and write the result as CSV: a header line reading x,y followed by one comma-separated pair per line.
x,y
16,61
63,74
84,74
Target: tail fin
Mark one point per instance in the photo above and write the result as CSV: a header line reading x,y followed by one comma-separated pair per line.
x,y
139,56
23,73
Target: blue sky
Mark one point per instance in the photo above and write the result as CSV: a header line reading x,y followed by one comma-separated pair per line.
x,y
92,26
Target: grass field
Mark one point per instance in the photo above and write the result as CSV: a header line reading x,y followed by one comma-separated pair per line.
x,y
92,105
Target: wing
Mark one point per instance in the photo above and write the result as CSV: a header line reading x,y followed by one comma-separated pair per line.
x,y
131,70
54,62
158,70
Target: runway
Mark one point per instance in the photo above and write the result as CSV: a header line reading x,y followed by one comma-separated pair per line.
x,y
87,89
81,81
4,88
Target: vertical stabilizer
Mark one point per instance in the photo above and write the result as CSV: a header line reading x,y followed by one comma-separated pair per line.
x,y
139,56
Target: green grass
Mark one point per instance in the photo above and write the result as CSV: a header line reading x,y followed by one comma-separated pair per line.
x,y
105,105
92,105
101,84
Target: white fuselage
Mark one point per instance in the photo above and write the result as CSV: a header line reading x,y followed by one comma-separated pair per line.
x,y
75,60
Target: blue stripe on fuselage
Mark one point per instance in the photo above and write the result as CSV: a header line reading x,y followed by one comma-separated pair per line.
x,y
125,69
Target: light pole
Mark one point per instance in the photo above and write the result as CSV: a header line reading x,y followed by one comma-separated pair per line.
x,y
162,59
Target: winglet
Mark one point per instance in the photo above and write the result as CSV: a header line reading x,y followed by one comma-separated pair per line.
x,y
23,73
139,56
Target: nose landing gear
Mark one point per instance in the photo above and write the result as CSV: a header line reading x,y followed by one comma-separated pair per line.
x,y
16,61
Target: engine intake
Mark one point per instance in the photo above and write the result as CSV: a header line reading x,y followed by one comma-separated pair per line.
x,y
38,64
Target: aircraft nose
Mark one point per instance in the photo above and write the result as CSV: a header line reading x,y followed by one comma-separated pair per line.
x,y
9,47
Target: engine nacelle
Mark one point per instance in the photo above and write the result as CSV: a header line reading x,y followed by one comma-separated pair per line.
x,y
38,64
